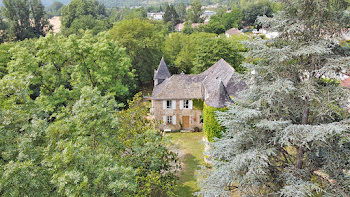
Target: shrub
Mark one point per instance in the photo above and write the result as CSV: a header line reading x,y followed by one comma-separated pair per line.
x,y
211,127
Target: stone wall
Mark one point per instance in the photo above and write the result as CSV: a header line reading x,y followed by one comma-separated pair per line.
x,y
159,112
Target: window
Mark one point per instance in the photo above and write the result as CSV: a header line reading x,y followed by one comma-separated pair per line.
x,y
168,104
169,119
201,119
186,104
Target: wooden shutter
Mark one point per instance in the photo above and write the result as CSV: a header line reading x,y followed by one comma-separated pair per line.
x,y
173,103
164,104
164,119
174,120
181,104
190,104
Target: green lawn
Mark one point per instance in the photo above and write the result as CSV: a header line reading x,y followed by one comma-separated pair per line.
x,y
191,147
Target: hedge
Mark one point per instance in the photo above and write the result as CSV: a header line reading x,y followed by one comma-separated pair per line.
x,y
211,127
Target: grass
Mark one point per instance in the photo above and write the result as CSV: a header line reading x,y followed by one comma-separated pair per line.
x,y
191,147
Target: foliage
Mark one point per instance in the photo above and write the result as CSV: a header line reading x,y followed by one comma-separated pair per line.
x,y
171,16
84,148
211,127
219,24
197,52
181,11
198,104
212,50
195,12
5,57
26,19
61,66
125,13
83,23
254,10
143,40
181,49
287,135
82,10
133,120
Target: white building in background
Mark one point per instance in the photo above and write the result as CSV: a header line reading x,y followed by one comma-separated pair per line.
x,y
158,16
269,34
208,13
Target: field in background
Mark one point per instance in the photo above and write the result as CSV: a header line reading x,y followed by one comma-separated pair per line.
x,y
56,24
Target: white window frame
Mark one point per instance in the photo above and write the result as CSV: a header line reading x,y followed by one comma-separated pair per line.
x,y
169,119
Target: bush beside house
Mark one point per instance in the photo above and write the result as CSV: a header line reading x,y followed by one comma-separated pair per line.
x,y
211,127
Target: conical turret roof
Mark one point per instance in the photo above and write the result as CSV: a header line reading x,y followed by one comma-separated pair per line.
x,y
162,72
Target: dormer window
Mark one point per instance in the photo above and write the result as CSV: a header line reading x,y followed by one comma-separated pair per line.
x,y
168,104
186,104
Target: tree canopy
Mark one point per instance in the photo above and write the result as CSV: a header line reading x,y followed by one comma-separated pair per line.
x,y
143,41
25,18
195,12
171,16
196,52
82,15
288,134
62,128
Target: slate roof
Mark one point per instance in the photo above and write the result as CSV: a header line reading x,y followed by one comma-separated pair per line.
x,y
215,85
179,87
162,72
218,95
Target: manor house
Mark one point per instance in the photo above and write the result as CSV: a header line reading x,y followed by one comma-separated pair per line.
x,y
173,95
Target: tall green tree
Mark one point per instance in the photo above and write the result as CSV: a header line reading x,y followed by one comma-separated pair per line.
x,y
219,24
212,50
288,134
26,19
61,129
181,49
181,11
143,40
77,10
256,9
171,16
195,12
38,14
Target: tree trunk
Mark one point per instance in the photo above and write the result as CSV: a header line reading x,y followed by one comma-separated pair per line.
x,y
304,121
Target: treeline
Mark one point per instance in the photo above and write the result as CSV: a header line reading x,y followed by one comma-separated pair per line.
x,y
145,41
70,124
69,121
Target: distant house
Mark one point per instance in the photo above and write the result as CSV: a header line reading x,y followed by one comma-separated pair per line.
x,y
269,34
155,15
173,95
179,27
233,31
207,14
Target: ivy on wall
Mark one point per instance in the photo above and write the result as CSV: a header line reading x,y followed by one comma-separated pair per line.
x,y
211,127
198,104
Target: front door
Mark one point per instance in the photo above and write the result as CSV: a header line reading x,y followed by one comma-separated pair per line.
x,y
185,122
